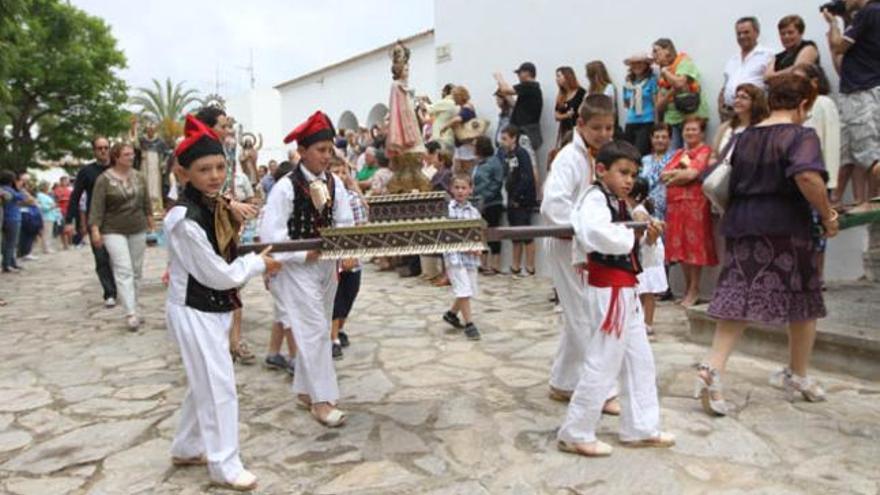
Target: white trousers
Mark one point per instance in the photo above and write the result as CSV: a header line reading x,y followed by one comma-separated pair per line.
x,y
127,257
610,358
209,413
306,292
575,318
46,239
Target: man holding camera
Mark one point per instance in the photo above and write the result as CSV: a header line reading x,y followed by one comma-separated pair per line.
x,y
859,47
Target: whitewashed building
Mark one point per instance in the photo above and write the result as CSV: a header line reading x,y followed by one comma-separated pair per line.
x,y
355,91
258,111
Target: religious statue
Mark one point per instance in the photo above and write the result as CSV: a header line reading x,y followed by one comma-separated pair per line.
x,y
404,143
152,152
250,145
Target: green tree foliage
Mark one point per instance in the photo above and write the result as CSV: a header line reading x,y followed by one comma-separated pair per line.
x,y
166,106
58,71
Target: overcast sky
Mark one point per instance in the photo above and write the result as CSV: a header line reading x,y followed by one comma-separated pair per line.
x,y
208,43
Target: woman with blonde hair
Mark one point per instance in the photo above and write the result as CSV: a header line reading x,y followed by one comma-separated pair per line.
x,y
465,156
600,84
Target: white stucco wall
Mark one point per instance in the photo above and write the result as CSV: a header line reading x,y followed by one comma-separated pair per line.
x,y
259,112
480,38
357,86
484,39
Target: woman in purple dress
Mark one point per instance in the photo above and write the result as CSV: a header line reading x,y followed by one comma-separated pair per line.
x,y
770,273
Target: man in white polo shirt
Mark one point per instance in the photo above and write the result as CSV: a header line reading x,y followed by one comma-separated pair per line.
x,y
747,66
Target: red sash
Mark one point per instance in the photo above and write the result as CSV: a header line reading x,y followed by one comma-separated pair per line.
x,y
605,276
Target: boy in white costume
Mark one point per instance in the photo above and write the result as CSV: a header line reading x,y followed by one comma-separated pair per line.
x,y
618,347
203,278
304,201
570,176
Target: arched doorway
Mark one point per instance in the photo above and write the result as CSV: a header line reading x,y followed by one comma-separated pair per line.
x,y
348,121
377,114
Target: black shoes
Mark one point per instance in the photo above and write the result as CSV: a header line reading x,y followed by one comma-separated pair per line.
x,y
276,361
471,332
337,351
343,338
452,319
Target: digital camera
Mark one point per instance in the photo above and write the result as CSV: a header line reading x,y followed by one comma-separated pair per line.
x,y
835,7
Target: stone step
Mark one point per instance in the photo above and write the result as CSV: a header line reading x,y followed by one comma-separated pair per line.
x,y
847,341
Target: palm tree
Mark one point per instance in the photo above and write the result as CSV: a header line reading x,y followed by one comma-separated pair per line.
x,y
166,106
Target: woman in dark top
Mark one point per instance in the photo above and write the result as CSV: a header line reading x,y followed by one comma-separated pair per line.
x,y
770,273
568,100
796,50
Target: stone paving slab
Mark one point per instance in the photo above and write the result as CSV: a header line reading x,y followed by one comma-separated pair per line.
x,y
89,408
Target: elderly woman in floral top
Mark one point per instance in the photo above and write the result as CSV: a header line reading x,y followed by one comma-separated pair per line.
x,y
653,165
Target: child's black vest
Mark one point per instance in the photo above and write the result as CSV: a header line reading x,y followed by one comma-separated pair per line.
x,y
627,262
199,296
306,221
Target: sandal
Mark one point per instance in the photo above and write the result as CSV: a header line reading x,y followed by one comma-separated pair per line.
x,y
708,389
515,271
335,418
559,395
809,388
662,440
598,449
242,353
199,460
245,482
611,407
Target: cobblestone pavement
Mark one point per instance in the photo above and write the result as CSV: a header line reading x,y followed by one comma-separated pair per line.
x,y
87,407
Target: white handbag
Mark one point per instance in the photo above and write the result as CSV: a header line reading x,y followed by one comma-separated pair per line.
x,y
716,183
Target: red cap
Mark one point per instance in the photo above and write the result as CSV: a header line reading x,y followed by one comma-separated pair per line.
x,y
316,128
200,141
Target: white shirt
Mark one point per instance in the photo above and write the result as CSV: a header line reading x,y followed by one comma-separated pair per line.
x,y
595,231
279,208
741,70
825,119
570,176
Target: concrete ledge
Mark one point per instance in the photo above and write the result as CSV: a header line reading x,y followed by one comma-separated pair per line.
x,y
839,347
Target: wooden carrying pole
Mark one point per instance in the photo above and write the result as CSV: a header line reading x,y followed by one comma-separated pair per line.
x,y
490,234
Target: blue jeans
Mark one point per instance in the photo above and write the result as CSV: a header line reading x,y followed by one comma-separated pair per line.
x,y
10,244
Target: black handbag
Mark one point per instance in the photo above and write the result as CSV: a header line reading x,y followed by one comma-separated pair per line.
x,y
687,102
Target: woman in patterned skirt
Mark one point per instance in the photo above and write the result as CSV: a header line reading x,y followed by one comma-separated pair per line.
x,y
689,237
770,273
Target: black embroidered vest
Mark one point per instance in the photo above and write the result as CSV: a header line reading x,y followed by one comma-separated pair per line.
x,y
306,222
199,296
629,262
